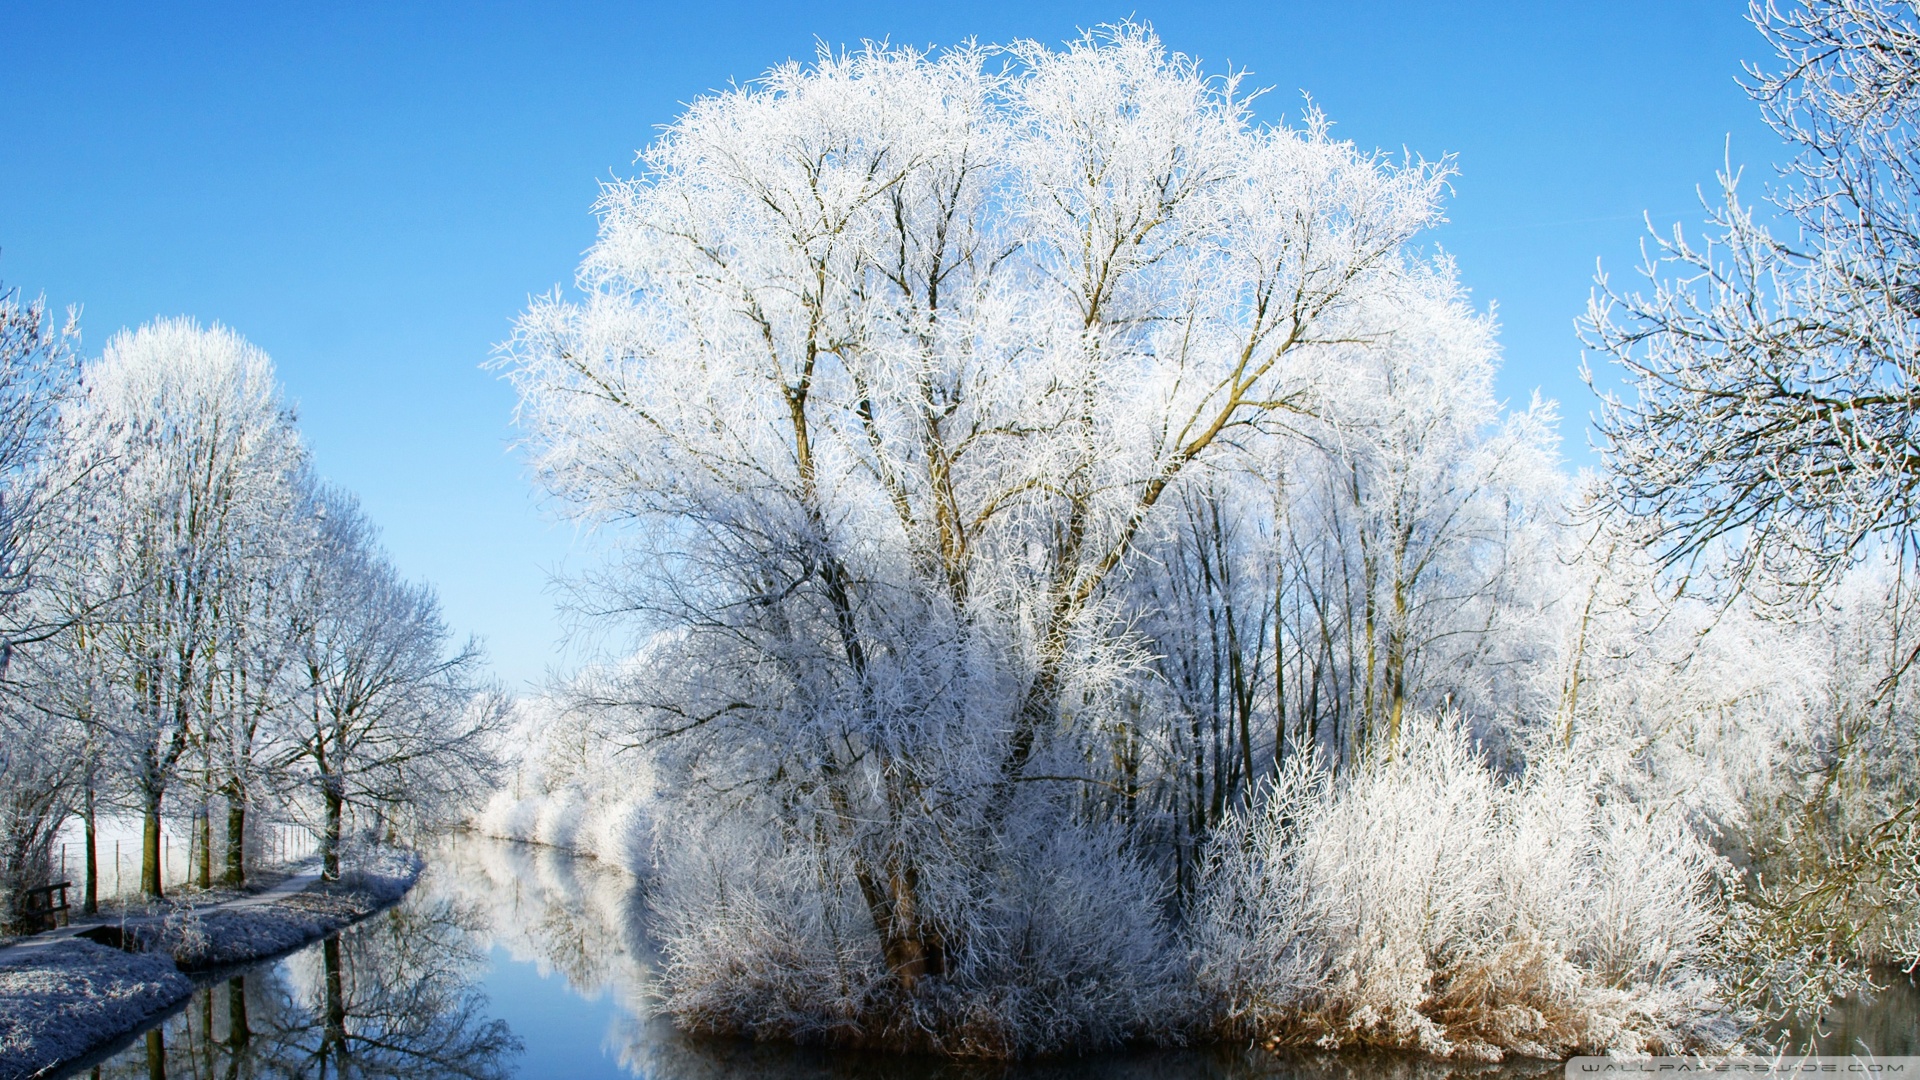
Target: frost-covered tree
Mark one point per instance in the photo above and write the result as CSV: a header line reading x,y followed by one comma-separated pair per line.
x,y
885,370
1771,444
389,717
69,679
1396,553
1431,510
194,458
36,375
256,691
1776,376
179,615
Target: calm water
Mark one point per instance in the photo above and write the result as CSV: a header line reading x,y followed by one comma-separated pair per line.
x,y
515,961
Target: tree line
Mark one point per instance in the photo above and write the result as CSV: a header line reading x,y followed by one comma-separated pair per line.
x,y
195,625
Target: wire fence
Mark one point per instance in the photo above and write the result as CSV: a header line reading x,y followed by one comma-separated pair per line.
x,y
118,858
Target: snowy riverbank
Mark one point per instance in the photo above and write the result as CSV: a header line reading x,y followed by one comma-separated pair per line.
x,y
63,996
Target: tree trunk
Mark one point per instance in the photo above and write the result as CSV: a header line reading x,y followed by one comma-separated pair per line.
x,y
90,900
203,840
1397,659
156,1055
912,951
1311,721
1279,673
1368,720
150,884
236,868
330,840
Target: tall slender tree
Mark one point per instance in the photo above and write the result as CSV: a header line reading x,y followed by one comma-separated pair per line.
x,y
36,376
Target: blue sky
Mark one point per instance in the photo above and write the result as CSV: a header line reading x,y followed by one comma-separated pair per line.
x,y
371,193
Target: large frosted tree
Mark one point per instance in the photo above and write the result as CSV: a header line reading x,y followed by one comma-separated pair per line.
x,y
883,369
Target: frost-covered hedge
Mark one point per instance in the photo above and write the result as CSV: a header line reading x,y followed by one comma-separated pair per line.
x,y
618,832
1064,949
573,787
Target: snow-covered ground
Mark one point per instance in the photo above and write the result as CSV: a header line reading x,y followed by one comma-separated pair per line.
x,y
62,994
63,998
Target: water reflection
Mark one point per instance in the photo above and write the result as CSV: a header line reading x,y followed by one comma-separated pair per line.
x,y
510,960
1885,1022
576,918
679,1058
396,996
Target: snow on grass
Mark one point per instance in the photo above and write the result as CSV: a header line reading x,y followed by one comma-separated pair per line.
x,y
60,999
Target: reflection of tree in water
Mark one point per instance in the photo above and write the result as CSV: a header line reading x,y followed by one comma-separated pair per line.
x,y
576,916
565,933
565,914
393,997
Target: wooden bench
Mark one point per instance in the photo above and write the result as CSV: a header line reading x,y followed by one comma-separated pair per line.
x,y
44,910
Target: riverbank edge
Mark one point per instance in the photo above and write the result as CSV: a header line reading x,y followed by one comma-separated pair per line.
x,y
63,1000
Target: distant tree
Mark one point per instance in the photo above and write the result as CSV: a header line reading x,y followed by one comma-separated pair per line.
x,y
392,718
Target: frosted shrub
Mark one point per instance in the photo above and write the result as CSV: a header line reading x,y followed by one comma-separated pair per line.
x,y
751,948
1421,902
574,787
596,822
1074,953
619,833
